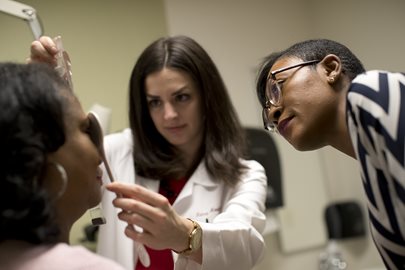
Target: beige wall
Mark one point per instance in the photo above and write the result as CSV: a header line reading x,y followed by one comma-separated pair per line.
x,y
103,39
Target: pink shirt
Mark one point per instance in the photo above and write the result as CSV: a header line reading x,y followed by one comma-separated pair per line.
x,y
61,257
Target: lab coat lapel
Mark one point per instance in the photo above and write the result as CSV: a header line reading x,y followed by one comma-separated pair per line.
x,y
199,177
151,184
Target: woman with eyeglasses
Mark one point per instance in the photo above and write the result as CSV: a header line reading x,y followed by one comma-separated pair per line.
x,y
187,198
49,171
317,93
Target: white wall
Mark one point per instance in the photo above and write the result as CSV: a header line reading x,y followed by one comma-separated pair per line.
x,y
237,34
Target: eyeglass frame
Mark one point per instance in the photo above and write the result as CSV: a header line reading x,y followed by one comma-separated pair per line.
x,y
268,125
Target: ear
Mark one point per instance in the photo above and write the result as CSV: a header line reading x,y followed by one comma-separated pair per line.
x,y
332,67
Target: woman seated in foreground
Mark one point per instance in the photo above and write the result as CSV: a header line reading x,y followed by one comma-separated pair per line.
x,y
49,171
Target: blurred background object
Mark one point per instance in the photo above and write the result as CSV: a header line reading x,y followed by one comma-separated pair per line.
x,y
25,12
344,220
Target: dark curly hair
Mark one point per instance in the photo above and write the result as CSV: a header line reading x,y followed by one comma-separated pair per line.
x,y
224,141
31,127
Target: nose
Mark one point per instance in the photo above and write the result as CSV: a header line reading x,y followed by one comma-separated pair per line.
x,y
169,111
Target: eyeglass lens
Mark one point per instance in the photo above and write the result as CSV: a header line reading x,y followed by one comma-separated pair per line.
x,y
273,89
268,125
273,92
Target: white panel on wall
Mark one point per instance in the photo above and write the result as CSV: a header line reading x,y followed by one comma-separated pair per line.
x,y
302,224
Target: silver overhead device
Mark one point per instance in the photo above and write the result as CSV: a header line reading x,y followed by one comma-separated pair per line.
x,y
24,12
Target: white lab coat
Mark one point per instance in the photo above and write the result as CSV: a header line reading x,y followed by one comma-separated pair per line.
x,y
232,219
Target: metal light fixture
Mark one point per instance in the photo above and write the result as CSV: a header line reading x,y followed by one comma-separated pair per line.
x,y
24,12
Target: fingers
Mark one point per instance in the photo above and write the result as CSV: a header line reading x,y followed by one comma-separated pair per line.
x,y
139,193
133,218
143,237
162,227
132,233
48,44
43,50
142,214
132,207
140,206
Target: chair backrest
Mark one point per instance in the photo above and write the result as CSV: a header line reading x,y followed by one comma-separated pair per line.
x,y
262,148
345,220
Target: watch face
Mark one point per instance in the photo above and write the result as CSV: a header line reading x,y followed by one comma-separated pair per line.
x,y
196,237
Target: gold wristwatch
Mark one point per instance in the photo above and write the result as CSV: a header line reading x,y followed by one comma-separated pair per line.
x,y
194,239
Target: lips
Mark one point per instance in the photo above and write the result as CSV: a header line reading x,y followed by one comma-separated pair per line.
x,y
175,128
283,125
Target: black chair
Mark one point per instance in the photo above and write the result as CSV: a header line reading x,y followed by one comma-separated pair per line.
x,y
345,220
262,148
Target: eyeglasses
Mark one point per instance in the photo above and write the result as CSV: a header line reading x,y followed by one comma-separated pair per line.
x,y
273,93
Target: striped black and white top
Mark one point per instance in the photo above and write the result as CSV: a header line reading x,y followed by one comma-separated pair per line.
x,y
376,120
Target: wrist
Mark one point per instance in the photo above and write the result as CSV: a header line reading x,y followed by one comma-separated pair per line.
x,y
183,241
194,239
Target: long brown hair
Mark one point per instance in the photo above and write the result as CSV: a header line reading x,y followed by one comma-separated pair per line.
x,y
223,144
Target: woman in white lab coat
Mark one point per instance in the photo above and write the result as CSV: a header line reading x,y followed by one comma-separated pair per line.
x,y
231,217
185,129
184,195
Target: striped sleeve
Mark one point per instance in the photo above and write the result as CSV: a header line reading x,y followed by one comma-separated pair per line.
x,y
376,120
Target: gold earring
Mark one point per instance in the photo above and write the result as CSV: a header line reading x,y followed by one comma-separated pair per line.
x,y
332,79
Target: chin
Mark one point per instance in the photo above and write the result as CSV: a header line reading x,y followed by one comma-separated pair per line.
x,y
94,200
176,141
305,145
305,142
304,148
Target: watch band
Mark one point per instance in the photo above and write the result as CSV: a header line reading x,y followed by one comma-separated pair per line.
x,y
194,240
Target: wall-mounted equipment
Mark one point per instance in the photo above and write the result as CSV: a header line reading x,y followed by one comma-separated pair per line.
x,y
24,12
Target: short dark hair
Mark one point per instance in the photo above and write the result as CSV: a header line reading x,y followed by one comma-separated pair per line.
x,y
313,49
224,142
32,126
